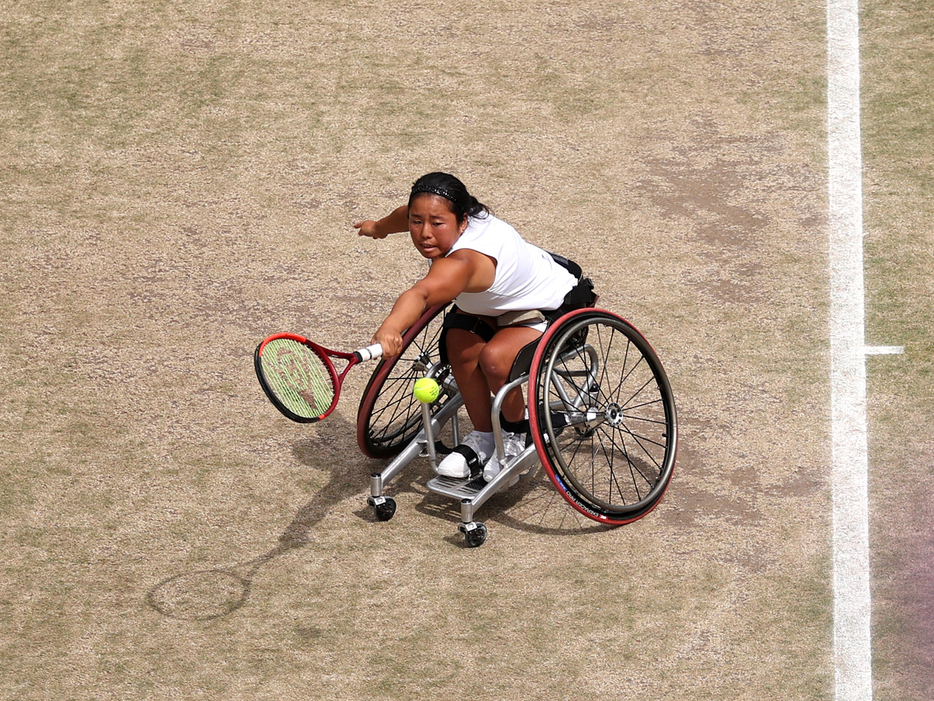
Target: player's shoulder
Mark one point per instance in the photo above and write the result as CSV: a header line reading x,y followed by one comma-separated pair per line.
x,y
488,224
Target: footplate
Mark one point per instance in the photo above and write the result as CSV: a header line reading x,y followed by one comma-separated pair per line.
x,y
475,489
455,488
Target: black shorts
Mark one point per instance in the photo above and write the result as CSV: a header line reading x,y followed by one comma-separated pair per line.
x,y
580,296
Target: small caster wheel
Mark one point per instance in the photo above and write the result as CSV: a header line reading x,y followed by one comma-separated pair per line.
x,y
475,533
383,507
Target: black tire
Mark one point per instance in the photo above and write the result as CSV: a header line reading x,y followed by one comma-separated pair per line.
x,y
602,416
389,417
385,510
476,536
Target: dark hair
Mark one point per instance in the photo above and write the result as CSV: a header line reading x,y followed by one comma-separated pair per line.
x,y
463,204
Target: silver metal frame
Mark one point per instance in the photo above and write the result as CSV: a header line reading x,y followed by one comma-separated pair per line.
x,y
473,493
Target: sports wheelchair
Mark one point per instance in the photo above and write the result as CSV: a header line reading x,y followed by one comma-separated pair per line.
x,y
601,418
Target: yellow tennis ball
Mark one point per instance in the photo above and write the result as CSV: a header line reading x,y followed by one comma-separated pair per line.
x,y
426,390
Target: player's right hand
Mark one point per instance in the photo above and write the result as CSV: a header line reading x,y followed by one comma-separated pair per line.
x,y
391,342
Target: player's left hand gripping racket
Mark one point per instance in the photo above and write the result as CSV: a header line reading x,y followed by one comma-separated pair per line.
x,y
299,377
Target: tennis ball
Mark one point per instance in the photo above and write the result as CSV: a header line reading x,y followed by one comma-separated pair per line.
x,y
426,390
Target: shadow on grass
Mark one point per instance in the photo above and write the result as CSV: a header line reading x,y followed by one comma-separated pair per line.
x,y
533,505
207,594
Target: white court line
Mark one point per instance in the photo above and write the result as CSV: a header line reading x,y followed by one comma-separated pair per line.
x,y
883,350
852,601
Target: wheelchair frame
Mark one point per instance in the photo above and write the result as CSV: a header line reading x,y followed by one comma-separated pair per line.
x,y
600,432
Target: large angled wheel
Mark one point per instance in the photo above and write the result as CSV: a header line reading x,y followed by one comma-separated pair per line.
x,y
602,416
389,417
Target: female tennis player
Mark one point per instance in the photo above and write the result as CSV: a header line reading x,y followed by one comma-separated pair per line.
x,y
502,288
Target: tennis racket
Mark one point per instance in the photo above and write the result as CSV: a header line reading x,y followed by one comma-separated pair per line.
x,y
299,376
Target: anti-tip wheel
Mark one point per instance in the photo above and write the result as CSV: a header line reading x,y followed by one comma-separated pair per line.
x,y
474,532
383,507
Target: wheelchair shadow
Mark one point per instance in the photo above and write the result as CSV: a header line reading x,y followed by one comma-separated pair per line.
x,y
326,451
347,478
533,505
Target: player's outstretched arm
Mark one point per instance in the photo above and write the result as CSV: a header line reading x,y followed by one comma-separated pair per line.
x,y
446,279
394,222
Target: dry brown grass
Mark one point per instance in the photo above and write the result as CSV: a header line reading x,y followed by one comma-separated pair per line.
x,y
179,180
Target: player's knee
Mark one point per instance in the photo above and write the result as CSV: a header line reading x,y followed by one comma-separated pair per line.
x,y
495,362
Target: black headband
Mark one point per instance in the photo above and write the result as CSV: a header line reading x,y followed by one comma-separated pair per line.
x,y
433,190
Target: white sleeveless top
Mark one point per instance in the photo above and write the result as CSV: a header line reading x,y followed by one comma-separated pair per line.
x,y
527,277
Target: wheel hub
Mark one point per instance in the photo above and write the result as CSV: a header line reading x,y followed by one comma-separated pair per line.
x,y
614,414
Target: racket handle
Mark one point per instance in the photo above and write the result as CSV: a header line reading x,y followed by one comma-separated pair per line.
x,y
370,352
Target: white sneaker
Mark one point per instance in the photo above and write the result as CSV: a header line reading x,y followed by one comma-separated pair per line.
x,y
513,444
469,457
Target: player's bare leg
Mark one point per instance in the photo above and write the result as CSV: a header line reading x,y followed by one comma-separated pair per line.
x,y
464,349
496,360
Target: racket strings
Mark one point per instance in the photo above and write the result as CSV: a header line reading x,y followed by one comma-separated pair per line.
x,y
298,377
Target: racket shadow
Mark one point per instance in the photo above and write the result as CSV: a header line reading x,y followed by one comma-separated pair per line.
x,y
204,595
212,593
